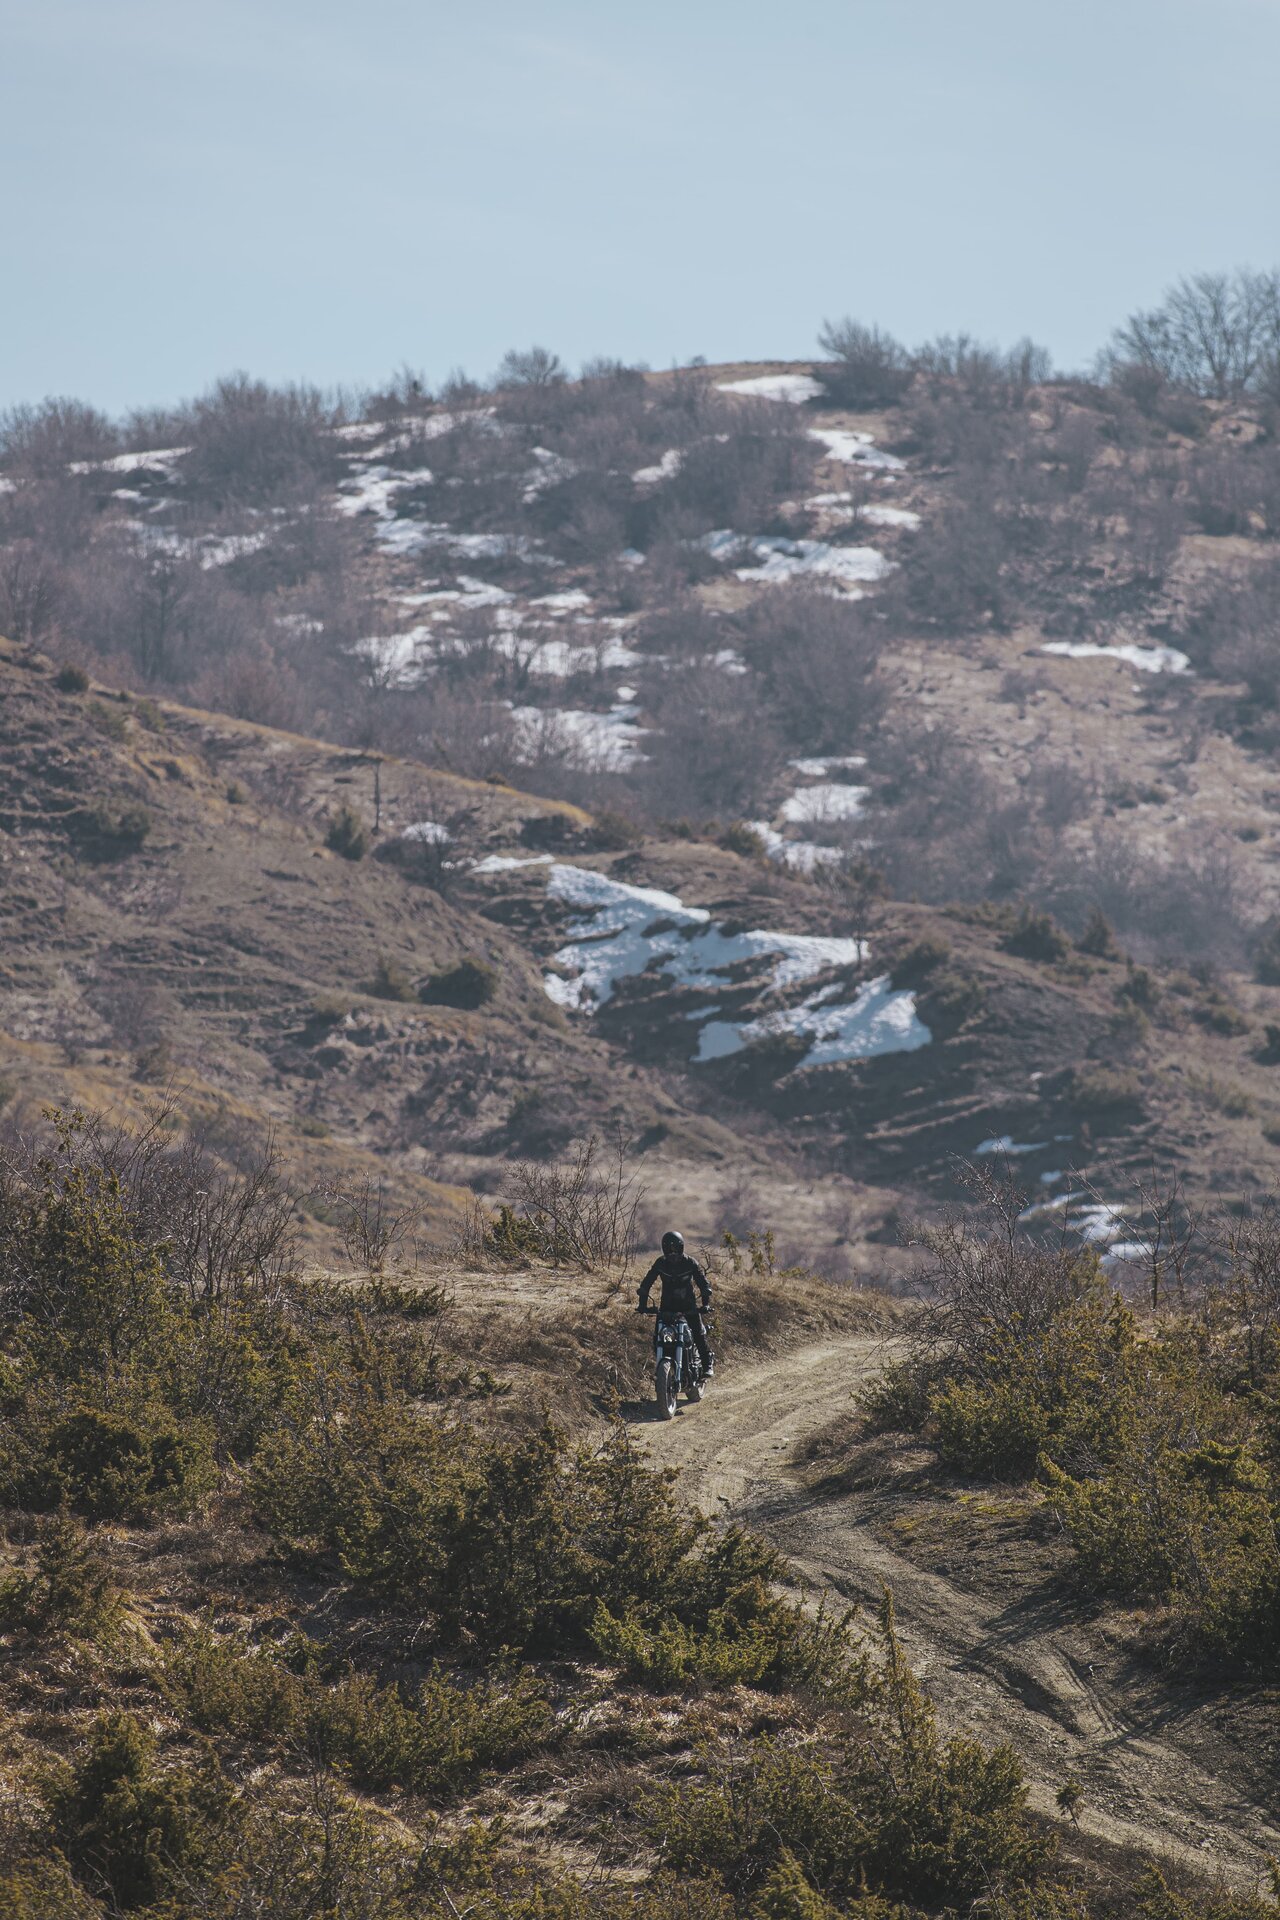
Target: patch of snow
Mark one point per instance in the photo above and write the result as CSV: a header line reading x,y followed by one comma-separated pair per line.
x,y
1125,1251
560,658
827,801
469,592
1007,1145
801,855
626,929
1052,1177
729,660
778,558
600,742
1097,1223
361,430
373,489
793,387
392,654
572,600
232,546
632,557
506,862
158,458
666,469
842,505
890,516
1146,659
816,769
550,470
485,546
877,1022
430,832
856,449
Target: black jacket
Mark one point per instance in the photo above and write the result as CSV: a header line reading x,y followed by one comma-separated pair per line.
x,y
684,1285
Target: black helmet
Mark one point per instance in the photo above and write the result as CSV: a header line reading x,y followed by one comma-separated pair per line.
x,y
672,1245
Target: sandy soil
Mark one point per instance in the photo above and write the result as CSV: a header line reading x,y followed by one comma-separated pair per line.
x,y
1011,1670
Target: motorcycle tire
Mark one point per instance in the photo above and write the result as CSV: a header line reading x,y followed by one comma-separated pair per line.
x,y
694,1390
666,1390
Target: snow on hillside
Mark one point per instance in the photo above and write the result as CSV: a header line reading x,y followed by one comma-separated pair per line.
x,y
1147,659
856,448
794,387
877,1022
623,931
779,559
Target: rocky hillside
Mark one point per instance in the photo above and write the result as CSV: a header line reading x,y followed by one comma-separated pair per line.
x,y
422,979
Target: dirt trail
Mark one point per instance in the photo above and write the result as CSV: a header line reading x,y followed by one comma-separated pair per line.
x,y
1013,1672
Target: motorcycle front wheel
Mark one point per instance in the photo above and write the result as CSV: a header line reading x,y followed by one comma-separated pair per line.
x,y
666,1389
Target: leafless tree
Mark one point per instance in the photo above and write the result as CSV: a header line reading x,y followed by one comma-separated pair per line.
x,y
1216,333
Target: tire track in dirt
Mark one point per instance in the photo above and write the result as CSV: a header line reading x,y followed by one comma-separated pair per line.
x,y
1012,1672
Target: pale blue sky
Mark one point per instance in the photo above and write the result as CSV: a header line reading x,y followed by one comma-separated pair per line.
x,y
331,188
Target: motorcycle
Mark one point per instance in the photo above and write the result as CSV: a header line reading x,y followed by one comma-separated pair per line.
x,y
676,1366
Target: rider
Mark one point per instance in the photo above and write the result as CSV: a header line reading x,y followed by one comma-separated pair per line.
x,y
684,1288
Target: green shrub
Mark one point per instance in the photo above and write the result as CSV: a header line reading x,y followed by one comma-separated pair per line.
x,y
118,1389
920,960
891,1809
899,1399
469,985
955,996
390,981
71,679
787,1895
111,829
108,720
125,1822
1037,936
614,832
1266,955
1222,1096
70,1592
1105,1093
1098,938
123,1465
430,1742
1050,1389
43,1889
347,834
742,839
519,1543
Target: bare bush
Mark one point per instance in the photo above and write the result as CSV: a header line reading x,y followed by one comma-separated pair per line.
x,y
1215,333
868,367
371,1226
716,750
223,1230
45,439
531,367
250,441
29,592
817,658
988,1285
987,376
581,1212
